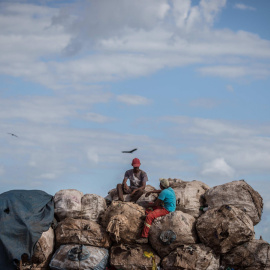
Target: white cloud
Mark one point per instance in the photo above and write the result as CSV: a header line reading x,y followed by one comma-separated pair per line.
x,y
138,38
230,88
235,71
218,167
241,146
244,7
54,109
116,20
133,100
210,9
93,156
210,127
39,109
95,117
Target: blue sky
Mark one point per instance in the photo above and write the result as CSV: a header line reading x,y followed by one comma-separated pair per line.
x,y
186,82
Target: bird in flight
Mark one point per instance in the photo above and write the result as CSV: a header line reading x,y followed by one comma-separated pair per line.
x,y
131,151
13,135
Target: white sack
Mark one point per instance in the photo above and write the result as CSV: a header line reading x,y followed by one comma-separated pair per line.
x,y
191,257
224,228
98,259
72,203
182,224
238,194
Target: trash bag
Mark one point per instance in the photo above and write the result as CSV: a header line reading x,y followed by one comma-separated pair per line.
x,y
167,237
71,203
65,258
143,200
238,194
174,182
44,249
182,224
191,257
67,203
78,253
113,196
252,255
224,228
80,231
42,253
129,257
93,207
189,196
124,221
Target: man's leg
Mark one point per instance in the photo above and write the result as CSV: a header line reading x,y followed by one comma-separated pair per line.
x,y
136,195
120,192
159,212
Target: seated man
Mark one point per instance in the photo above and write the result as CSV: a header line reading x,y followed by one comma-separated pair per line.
x,y
137,180
164,204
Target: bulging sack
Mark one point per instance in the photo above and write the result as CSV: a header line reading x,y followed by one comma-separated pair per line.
x,y
80,231
252,255
143,201
124,221
67,203
238,194
183,226
191,257
175,182
189,195
42,253
93,258
128,257
93,207
72,203
224,228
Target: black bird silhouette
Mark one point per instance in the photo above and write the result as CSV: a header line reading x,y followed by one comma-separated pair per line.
x,y
131,151
13,135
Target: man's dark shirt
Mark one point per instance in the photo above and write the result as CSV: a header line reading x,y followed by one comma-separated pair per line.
x,y
138,180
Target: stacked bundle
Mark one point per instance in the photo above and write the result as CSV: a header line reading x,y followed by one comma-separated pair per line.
x,y
81,242
212,229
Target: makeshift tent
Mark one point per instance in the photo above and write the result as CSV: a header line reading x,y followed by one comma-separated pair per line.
x,y
24,216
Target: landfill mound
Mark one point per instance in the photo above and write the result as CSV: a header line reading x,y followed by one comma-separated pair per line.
x,y
211,229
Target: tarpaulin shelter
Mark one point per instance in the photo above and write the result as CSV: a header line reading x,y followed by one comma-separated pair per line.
x,y
24,216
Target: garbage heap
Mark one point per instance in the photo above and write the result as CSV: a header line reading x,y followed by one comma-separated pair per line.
x,y
211,229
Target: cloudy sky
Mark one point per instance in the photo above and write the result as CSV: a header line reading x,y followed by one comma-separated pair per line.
x,y
184,81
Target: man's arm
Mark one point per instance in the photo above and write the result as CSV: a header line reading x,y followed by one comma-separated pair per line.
x,y
140,188
157,202
153,191
125,183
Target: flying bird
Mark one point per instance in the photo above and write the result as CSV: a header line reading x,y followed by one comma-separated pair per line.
x,y
13,135
131,151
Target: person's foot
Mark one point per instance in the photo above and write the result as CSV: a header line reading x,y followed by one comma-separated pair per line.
x,y
142,240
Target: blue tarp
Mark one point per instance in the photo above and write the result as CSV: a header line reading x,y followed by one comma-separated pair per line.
x,y
24,216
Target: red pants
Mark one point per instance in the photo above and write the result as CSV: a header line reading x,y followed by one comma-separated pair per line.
x,y
152,213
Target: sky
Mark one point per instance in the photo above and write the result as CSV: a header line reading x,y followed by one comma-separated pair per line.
x,y
186,82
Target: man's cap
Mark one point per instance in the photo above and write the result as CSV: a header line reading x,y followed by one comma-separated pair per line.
x,y
164,182
136,162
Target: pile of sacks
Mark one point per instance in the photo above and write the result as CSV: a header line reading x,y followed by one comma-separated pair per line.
x,y
211,229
